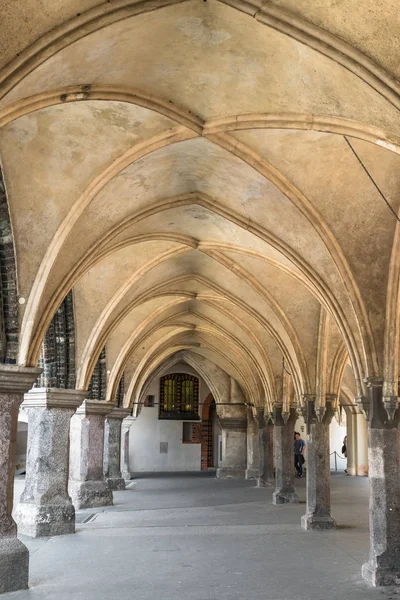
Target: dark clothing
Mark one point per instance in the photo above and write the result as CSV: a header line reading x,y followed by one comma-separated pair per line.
x,y
298,463
299,446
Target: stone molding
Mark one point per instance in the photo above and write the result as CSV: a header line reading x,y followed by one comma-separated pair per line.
x,y
119,413
53,398
235,424
94,407
17,380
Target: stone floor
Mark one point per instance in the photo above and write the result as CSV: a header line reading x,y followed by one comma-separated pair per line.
x,y
198,538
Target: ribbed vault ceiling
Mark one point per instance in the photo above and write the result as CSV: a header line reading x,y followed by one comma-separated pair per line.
x,y
191,173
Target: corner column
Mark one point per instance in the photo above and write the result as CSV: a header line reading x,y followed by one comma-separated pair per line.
x,y
318,489
112,448
45,508
383,566
233,422
266,441
125,427
87,485
253,447
284,462
14,556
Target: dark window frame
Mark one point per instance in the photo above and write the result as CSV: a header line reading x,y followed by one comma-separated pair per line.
x,y
179,397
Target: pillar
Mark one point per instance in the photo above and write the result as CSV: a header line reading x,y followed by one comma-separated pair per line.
x,y
362,445
45,508
125,467
253,447
266,441
351,432
233,420
112,448
318,487
284,456
383,566
87,485
14,556
357,442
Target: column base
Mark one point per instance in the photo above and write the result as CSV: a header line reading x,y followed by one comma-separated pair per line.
x,y
265,483
126,475
309,522
14,565
380,576
285,497
115,483
46,520
90,494
252,473
230,473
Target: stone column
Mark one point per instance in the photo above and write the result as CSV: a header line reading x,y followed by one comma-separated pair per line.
x,y
45,507
318,491
233,420
362,446
351,432
126,425
284,456
383,566
266,440
112,448
253,447
14,556
87,485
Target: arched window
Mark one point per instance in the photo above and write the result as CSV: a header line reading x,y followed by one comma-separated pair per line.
x,y
179,396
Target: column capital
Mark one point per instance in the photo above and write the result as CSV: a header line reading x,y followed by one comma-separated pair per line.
x,y
280,418
227,423
313,413
128,421
119,413
94,407
53,398
17,380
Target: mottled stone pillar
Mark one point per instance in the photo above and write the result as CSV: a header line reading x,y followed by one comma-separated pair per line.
x,y
112,448
266,441
14,556
253,447
87,485
125,468
383,566
284,456
45,508
318,491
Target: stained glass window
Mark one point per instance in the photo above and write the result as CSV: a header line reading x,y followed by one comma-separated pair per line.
x,y
179,396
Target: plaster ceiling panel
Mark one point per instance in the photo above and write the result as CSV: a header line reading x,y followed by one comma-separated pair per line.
x,y
207,268
268,343
202,166
144,313
226,365
301,308
222,325
62,148
369,26
335,343
212,60
337,185
204,225
24,22
98,286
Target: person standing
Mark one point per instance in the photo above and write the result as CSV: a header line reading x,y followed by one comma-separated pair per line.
x,y
299,447
344,450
